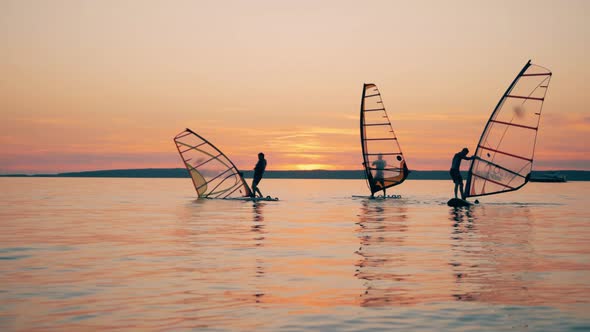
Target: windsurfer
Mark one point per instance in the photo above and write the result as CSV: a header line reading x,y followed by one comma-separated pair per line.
x,y
258,172
455,170
378,178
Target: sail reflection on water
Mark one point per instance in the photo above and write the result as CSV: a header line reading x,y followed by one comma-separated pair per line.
x,y
492,259
382,265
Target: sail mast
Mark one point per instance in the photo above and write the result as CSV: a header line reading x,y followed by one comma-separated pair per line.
x,y
368,176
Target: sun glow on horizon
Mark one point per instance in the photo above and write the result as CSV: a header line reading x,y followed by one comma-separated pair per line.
x,y
81,95
309,167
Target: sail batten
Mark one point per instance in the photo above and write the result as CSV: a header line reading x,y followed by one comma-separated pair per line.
x,y
537,74
383,154
377,124
515,124
383,160
524,97
381,139
213,174
505,152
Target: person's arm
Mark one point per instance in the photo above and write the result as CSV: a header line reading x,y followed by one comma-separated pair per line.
x,y
469,158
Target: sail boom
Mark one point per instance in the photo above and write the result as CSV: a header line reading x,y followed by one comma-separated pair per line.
x,y
385,169
502,168
216,194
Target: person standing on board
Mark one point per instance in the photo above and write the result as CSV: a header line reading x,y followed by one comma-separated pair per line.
x,y
258,172
379,178
455,170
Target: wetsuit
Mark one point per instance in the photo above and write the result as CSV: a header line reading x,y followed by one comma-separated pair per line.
x,y
258,172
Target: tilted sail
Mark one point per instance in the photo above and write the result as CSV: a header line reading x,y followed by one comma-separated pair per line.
x,y
213,174
383,159
504,156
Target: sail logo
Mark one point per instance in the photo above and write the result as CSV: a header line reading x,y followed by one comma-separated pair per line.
x,y
491,172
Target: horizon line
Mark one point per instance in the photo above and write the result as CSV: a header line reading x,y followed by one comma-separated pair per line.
x,y
268,170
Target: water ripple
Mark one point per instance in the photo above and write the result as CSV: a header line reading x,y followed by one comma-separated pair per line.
x,y
92,254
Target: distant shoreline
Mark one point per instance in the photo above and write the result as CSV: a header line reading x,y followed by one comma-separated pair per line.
x,y
315,174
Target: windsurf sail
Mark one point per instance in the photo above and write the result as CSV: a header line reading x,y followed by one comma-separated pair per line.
x,y
384,162
213,173
505,152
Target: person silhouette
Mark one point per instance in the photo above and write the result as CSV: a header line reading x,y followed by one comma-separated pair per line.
x,y
258,172
455,170
379,179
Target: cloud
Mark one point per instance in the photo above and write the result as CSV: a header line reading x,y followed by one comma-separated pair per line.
x,y
293,136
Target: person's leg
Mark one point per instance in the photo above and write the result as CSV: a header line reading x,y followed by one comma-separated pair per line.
x,y
254,184
456,187
255,188
462,190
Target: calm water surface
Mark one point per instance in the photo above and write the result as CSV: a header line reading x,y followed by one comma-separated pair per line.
x,y
143,254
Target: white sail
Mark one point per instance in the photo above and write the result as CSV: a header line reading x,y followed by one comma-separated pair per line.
x,y
213,173
505,152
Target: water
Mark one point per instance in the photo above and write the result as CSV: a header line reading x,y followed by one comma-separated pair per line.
x,y
143,254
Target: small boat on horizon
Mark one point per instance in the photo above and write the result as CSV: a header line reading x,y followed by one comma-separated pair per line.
x,y
548,177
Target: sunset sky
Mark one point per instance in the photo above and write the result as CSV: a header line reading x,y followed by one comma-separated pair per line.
x,y
88,85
